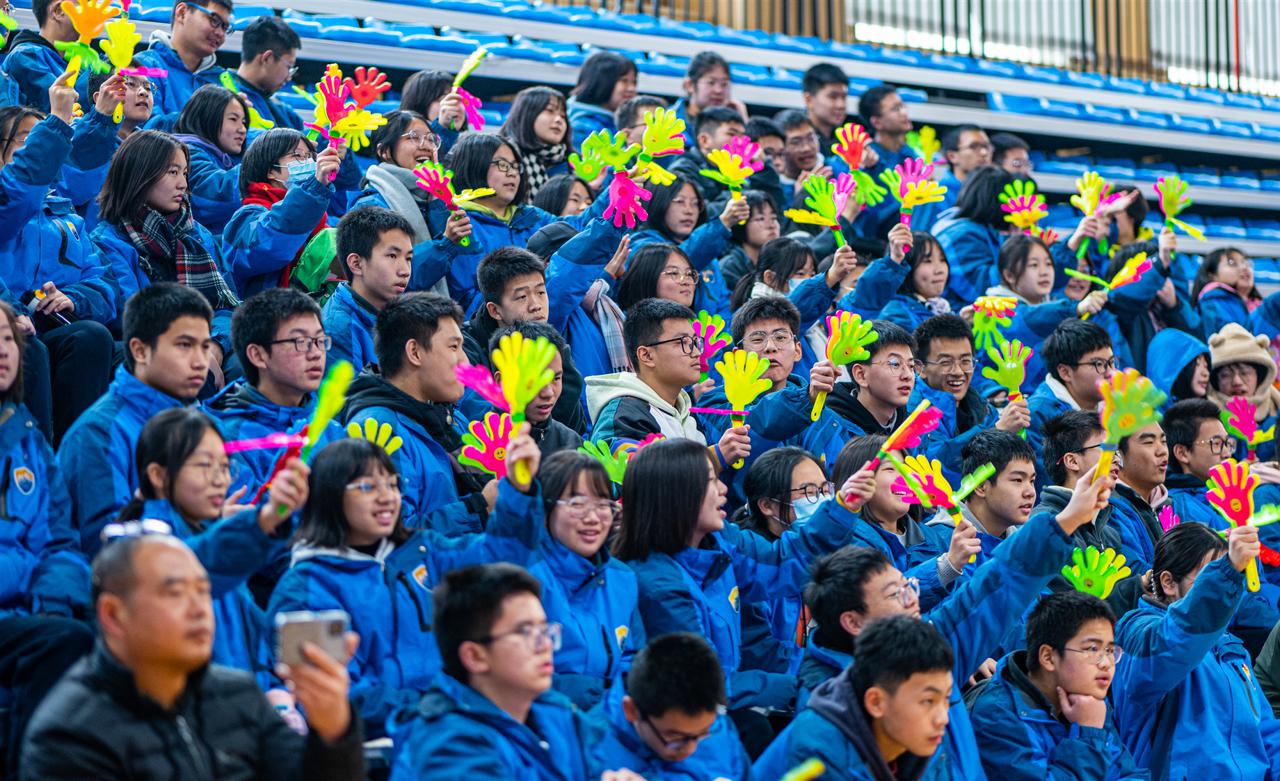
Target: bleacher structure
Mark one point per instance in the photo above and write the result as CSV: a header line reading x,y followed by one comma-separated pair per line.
x,y
1131,131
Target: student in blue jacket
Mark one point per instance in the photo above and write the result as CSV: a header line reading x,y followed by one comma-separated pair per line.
x,y
1185,696
1153,304
278,236
707,84
1178,364
606,80
185,476
874,399
32,60
669,722
974,620
591,594
746,241
82,180
539,127
695,570
188,51
1223,290
1044,714
166,363
430,93
269,50
353,552
971,233
919,297
214,124
1197,442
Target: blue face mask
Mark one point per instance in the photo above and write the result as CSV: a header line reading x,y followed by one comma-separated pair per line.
x,y
299,172
804,510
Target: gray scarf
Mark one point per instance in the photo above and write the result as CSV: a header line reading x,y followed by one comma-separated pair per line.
x,y
398,187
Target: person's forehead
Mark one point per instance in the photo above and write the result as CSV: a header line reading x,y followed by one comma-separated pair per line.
x,y
950,346
187,326
304,323
972,136
1094,629
1018,467
768,324
517,609
1210,427
1101,352
162,559
674,327
525,281
928,681
798,130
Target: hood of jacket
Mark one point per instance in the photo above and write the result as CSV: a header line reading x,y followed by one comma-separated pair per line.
x,y
372,390
604,388
213,150
242,400
345,558
27,36
844,402
1168,353
161,43
836,702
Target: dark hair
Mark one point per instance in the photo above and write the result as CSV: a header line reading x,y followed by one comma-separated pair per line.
x,y
853,455
951,140
759,127
1004,143
336,465
754,311
1137,209
644,321
769,478
1180,551
268,33
553,196
792,118
1015,255
1057,618
923,245
468,602
632,110
1209,268
710,119
264,154
1181,424
703,63
892,649
889,334
40,9
360,230
530,329
1182,384
15,391
869,102
662,495
424,88
784,256
11,120
995,447
257,320
679,671
560,472
503,265
113,571
640,280
153,309
168,439
599,74
385,138
837,587
529,103
472,156
1067,433
820,75
663,195
1071,341
138,164
413,316
202,114
979,198
940,327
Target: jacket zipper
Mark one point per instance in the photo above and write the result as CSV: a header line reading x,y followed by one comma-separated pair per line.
x,y
1248,690
408,587
189,740
608,649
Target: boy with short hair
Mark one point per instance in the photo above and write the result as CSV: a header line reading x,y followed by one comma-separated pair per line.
x,y
966,148
167,347
825,89
1011,153
669,722
550,434
1045,713
376,247
886,118
1077,355
713,128
188,51
875,400
1072,446
1140,493
1197,442
269,50
32,60
629,116
652,400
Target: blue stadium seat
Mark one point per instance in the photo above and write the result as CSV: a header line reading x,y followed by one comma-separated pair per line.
x,y
1021,104
1036,73
1113,114
1132,86
910,95
162,14
1005,70
347,21
1151,119
853,51
1061,167
1229,127
640,24
341,32
1091,80
439,43
1191,124
1205,95
245,14
1117,171
902,57
404,28
1226,227
1244,180
1165,90
1268,230
661,66
1242,101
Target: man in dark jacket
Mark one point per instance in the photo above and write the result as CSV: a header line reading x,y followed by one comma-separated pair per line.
x,y
146,704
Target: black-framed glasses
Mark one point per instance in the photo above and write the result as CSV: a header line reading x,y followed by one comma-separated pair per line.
x,y
215,21
815,492
1097,653
1081,451
1217,445
534,637
139,528
688,344
803,141
1099,365
505,166
758,340
965,364
676,744
304,344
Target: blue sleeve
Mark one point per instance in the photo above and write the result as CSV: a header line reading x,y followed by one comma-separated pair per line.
x,y
767,570
94,141
1217,311
813,298
259,241
1011,752
60,584
215,191
948,449
98,466
232,549
435,754
431,261
513,534
448,137
969,254
1137,296
33,77
782,415
1042,319
25,181
93,294
122,261
876,287
575,267
668,606
706,244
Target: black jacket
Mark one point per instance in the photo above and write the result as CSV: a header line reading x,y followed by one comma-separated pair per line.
x,y
96,724
553,436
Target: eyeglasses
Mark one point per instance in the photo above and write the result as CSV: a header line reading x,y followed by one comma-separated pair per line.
x,y
293,66
688,344
294,157
505,166
1096,653
139,85
1217,445
680,275
896,365
140,528
1021,165
423,140
909,594
213,471
534,637
758,340
1233,370
714,83
676,744
815,492
1099,365
215,21
949,364
580,507
1232,262
304,344
369,485
977,146
800,142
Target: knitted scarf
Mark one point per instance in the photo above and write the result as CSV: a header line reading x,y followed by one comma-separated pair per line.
x,y
535,162
268,195
608,316
169,250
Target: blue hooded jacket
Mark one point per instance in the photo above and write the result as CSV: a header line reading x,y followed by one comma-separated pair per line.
x,y
588,118
596,601
1186,699
431,258
456,732
974,620
97,453
1043,405
172,92
1020,739
214,182
571,272
271,108
388,596
41,567
875,288
1219,306
349,320
34,64
1168,353
946,442
1139,529
818,665
971,249
94,141
259,242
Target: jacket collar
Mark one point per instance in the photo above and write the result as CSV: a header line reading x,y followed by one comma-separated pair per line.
x,y
110,675
836,702
304,552
141,396
1059,391
570,568
845,403
243,400
1013,670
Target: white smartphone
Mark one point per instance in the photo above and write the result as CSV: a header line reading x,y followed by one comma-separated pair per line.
x,y
325,629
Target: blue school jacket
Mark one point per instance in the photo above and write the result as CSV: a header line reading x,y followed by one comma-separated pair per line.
x,y
258,242
1218,307
875,288
456,732
1168,353
719,756
971,249
34,64
818,665
974,620
1186,699
214,182
700,590
350,323
41,567
97,453
570,274
1043,406
270,107
41,238
1020,739
171,93
388,596
596,601
907,311
1133,518
704,247
946,442
588,118
94,142
1265,318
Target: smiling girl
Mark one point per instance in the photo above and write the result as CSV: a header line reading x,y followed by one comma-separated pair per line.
x,y
214,125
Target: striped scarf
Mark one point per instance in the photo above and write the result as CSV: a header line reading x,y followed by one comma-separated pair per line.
x,y
169,250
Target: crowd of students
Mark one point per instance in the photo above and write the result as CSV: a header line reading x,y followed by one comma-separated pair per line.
x,y
183,279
